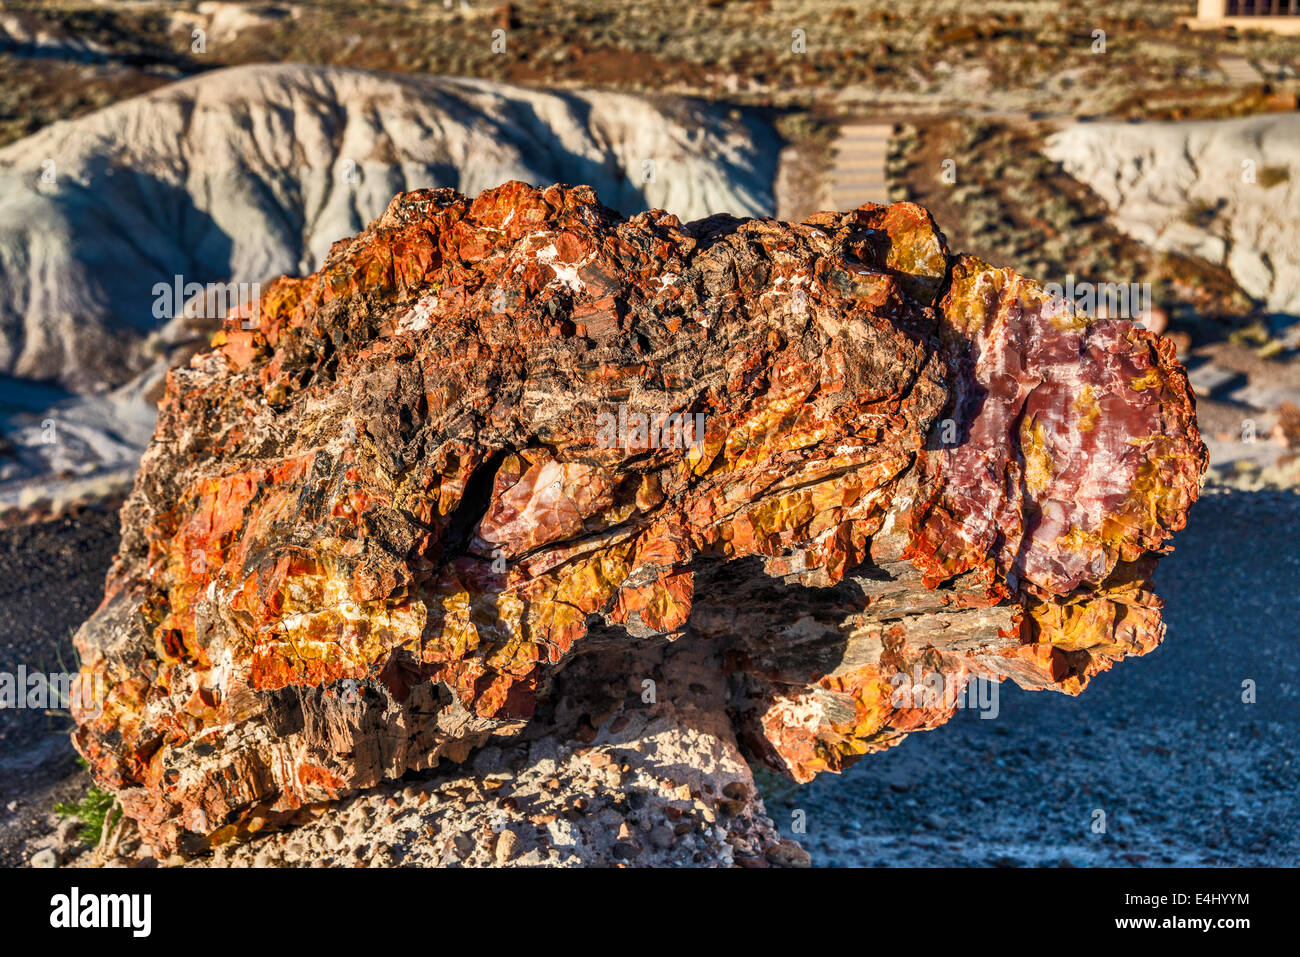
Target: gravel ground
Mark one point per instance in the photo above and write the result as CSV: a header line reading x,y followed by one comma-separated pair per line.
x,y
53,578
1184,771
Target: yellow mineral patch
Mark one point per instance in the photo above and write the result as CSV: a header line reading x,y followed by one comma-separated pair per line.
x,y
320,614
498,615
588,585
649,493
1064,316
1087,409
1152,491
1038,460
1077,540
972,280
514,655
872,706
557,604
700,455
1120,619
458,636
783,513
1077,626
1149,380
753,439
921,256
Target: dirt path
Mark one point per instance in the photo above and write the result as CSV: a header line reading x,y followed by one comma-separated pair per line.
x,y
857,173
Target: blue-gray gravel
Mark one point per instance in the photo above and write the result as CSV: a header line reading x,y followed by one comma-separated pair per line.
x,y
1185,772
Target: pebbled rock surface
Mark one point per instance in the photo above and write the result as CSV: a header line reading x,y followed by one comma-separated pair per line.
x,y
660,783
402,506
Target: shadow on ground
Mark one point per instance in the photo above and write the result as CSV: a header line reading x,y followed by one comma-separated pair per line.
x,y
51,579
1184,771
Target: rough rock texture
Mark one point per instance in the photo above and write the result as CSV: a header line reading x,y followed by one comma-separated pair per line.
x,y
382,520
663,785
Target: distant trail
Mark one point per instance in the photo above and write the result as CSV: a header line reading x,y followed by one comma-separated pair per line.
x,y
1239,71
857,172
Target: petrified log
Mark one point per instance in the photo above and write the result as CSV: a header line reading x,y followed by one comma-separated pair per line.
x,y
494,436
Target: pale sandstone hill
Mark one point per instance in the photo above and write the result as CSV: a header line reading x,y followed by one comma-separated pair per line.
x,y
248,173
1225,190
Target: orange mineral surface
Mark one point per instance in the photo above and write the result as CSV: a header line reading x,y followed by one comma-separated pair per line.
x,y
830,460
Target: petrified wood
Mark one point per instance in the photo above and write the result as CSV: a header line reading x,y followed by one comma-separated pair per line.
x,y
397,497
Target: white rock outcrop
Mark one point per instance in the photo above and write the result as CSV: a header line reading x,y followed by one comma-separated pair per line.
x,y
1225,190
247,173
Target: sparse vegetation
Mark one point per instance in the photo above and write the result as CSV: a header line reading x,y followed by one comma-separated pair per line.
x,y
1271,176
92,810
958,55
